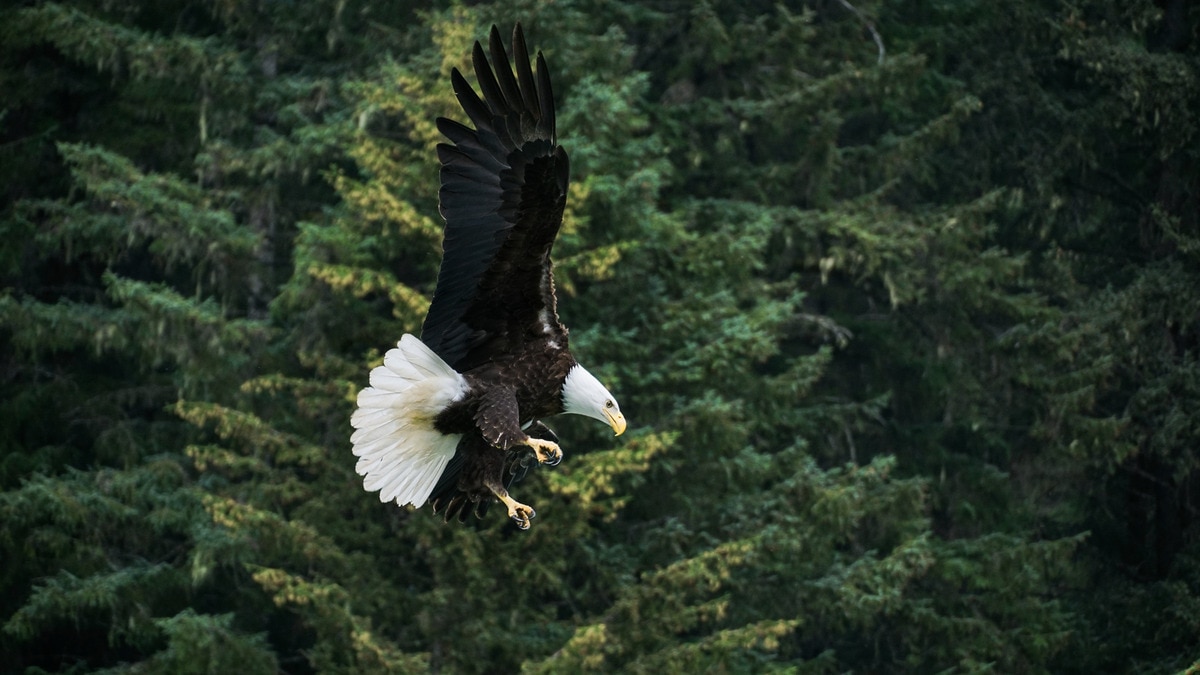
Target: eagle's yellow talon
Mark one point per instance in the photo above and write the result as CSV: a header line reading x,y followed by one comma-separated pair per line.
x,y
522,515
519,512
548,452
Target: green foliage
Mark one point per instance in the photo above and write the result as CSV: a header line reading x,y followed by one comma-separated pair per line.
x,y
899,297
205,643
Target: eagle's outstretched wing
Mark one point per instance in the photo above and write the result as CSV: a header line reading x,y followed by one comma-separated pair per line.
x,y
504,186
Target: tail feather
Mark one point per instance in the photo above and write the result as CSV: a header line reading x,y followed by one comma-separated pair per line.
x,y
372,440
369,419
400,452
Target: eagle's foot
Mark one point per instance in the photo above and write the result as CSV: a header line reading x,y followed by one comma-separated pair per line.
x,y
517,511
548,452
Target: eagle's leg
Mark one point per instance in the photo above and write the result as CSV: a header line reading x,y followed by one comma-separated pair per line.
x,y
516,510
548,452
498,418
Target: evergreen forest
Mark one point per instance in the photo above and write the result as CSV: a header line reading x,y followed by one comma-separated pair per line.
x,y
900,298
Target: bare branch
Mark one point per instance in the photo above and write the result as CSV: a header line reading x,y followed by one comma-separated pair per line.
x,y
870,26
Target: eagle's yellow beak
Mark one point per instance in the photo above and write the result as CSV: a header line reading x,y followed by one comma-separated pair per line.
x,y
616,420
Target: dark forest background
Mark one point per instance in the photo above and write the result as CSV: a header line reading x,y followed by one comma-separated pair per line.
x,y
901,299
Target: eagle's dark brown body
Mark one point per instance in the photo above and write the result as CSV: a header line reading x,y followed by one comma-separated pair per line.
x,y
531,380
525,388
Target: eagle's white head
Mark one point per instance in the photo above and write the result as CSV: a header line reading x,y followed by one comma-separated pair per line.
x,y
584,395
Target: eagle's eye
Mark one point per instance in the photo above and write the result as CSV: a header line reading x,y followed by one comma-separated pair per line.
x,y
608,403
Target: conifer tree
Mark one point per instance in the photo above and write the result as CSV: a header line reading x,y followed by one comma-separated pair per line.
x,y
1109,217
137,276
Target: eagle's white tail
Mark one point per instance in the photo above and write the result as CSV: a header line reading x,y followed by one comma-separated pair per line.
x,y
400,453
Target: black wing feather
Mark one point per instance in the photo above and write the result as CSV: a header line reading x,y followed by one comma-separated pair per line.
x,y
479,114
487,82
504,187
529,90
546,100
514,101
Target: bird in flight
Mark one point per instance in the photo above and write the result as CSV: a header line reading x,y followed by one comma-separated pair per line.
x,y
453,418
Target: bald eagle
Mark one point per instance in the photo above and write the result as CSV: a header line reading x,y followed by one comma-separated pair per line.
x,y
454,417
